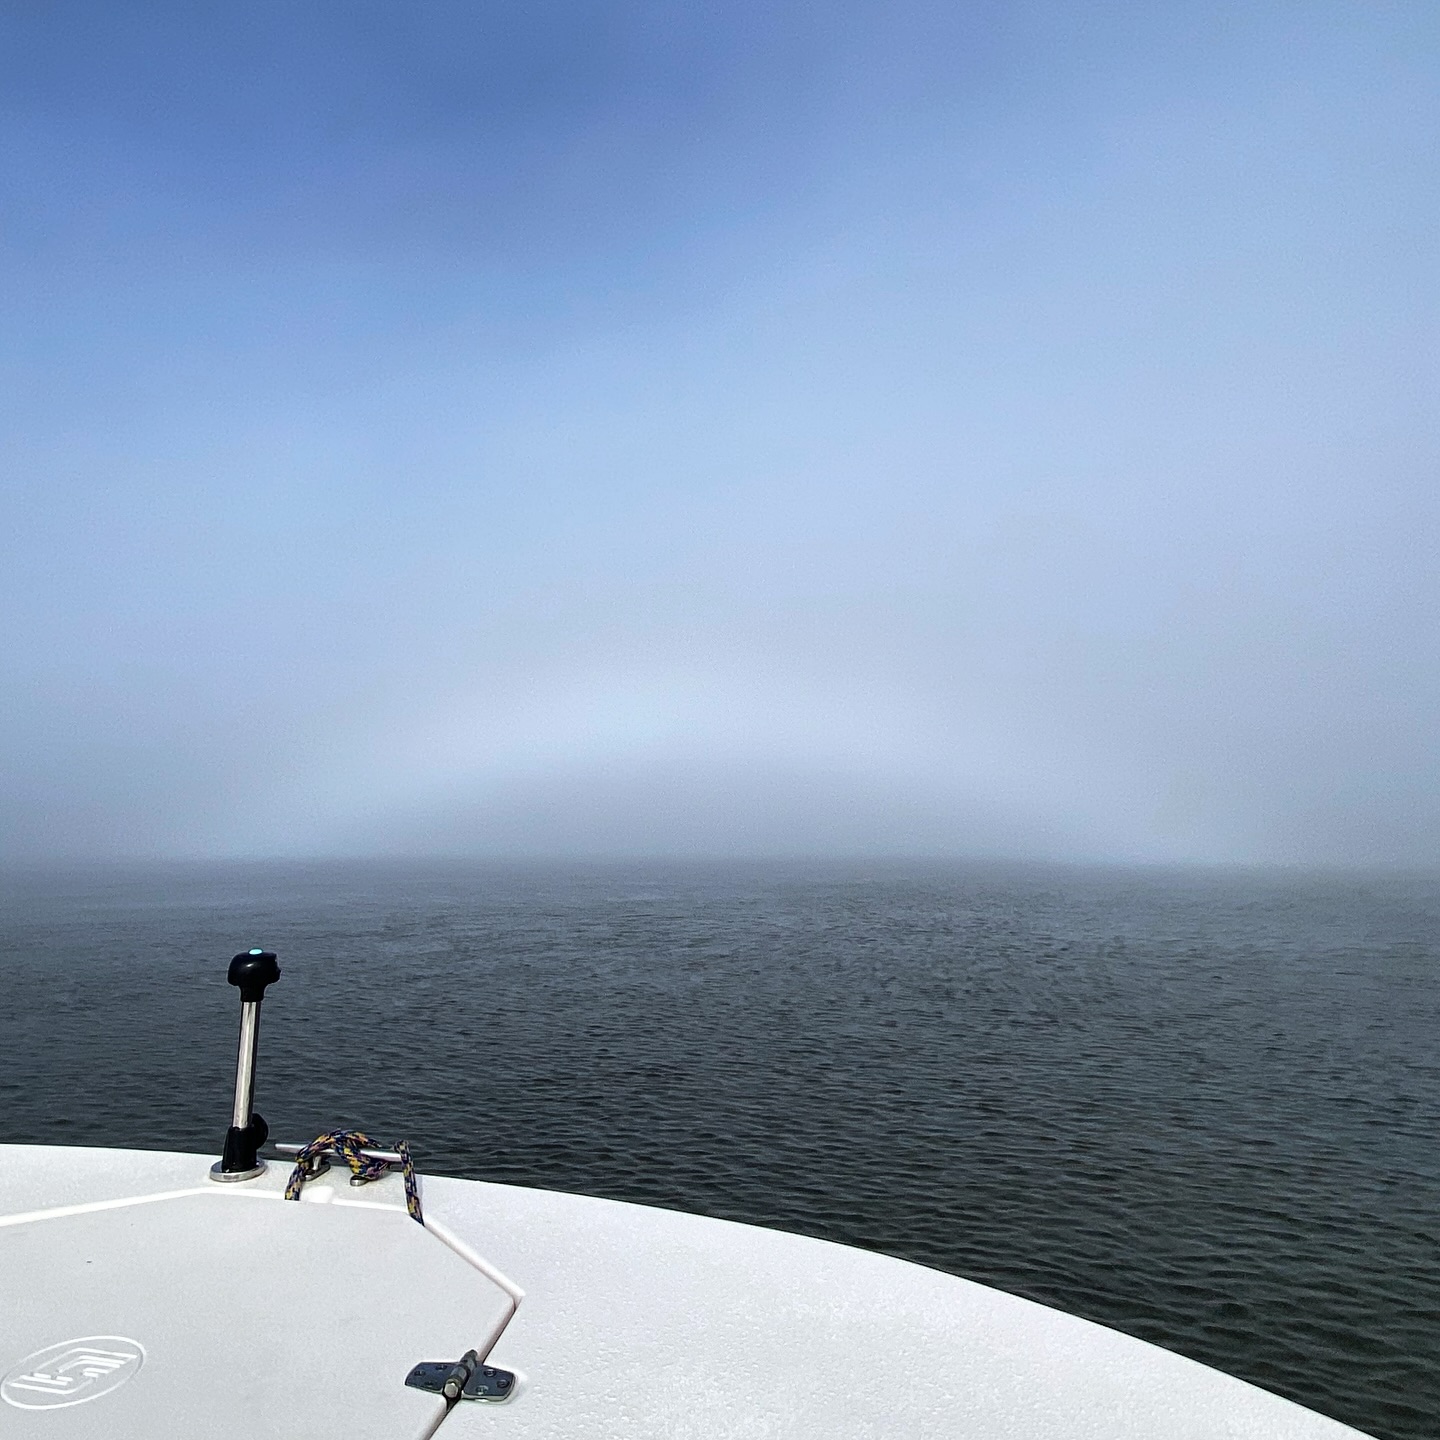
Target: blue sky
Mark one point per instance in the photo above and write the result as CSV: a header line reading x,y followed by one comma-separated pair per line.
x,y
642,428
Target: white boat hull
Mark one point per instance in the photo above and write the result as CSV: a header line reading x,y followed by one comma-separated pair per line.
x,y
618,1320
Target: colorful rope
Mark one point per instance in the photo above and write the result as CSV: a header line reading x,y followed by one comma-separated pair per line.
x,y
348,1144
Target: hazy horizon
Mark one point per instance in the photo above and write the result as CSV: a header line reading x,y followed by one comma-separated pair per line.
x,y
654,430
670,865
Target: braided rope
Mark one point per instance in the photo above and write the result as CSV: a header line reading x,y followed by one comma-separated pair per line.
x,y
348,1144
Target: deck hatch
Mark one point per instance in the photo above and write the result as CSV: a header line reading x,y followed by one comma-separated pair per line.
x,y
253,1318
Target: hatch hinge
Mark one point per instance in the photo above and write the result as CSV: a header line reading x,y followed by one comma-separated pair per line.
x,y
462,1379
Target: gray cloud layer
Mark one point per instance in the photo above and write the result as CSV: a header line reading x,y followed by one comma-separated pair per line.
x,y
645,428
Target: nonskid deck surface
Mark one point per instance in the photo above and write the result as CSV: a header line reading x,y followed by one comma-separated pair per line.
x,y
187,1309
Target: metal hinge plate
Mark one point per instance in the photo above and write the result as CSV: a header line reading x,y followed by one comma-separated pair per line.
x,y
463,1379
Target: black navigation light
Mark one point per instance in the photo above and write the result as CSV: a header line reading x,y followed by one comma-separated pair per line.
x,y
250,973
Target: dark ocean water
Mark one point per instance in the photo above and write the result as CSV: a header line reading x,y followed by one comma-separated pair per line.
x,y
1202,1108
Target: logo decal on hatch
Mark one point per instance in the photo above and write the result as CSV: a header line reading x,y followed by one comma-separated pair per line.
x,y
71,1372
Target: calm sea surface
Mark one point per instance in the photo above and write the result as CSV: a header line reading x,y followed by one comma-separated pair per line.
x,y
1202,1108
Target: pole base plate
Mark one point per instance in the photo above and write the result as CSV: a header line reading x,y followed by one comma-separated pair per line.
x,y
228,1176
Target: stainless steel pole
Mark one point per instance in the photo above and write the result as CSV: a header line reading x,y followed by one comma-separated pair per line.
x,y
250,972
245,1065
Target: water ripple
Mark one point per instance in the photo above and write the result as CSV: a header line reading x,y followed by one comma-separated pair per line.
x,y
1199,1108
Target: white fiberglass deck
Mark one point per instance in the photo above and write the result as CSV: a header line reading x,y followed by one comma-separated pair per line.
x,y
619,1321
